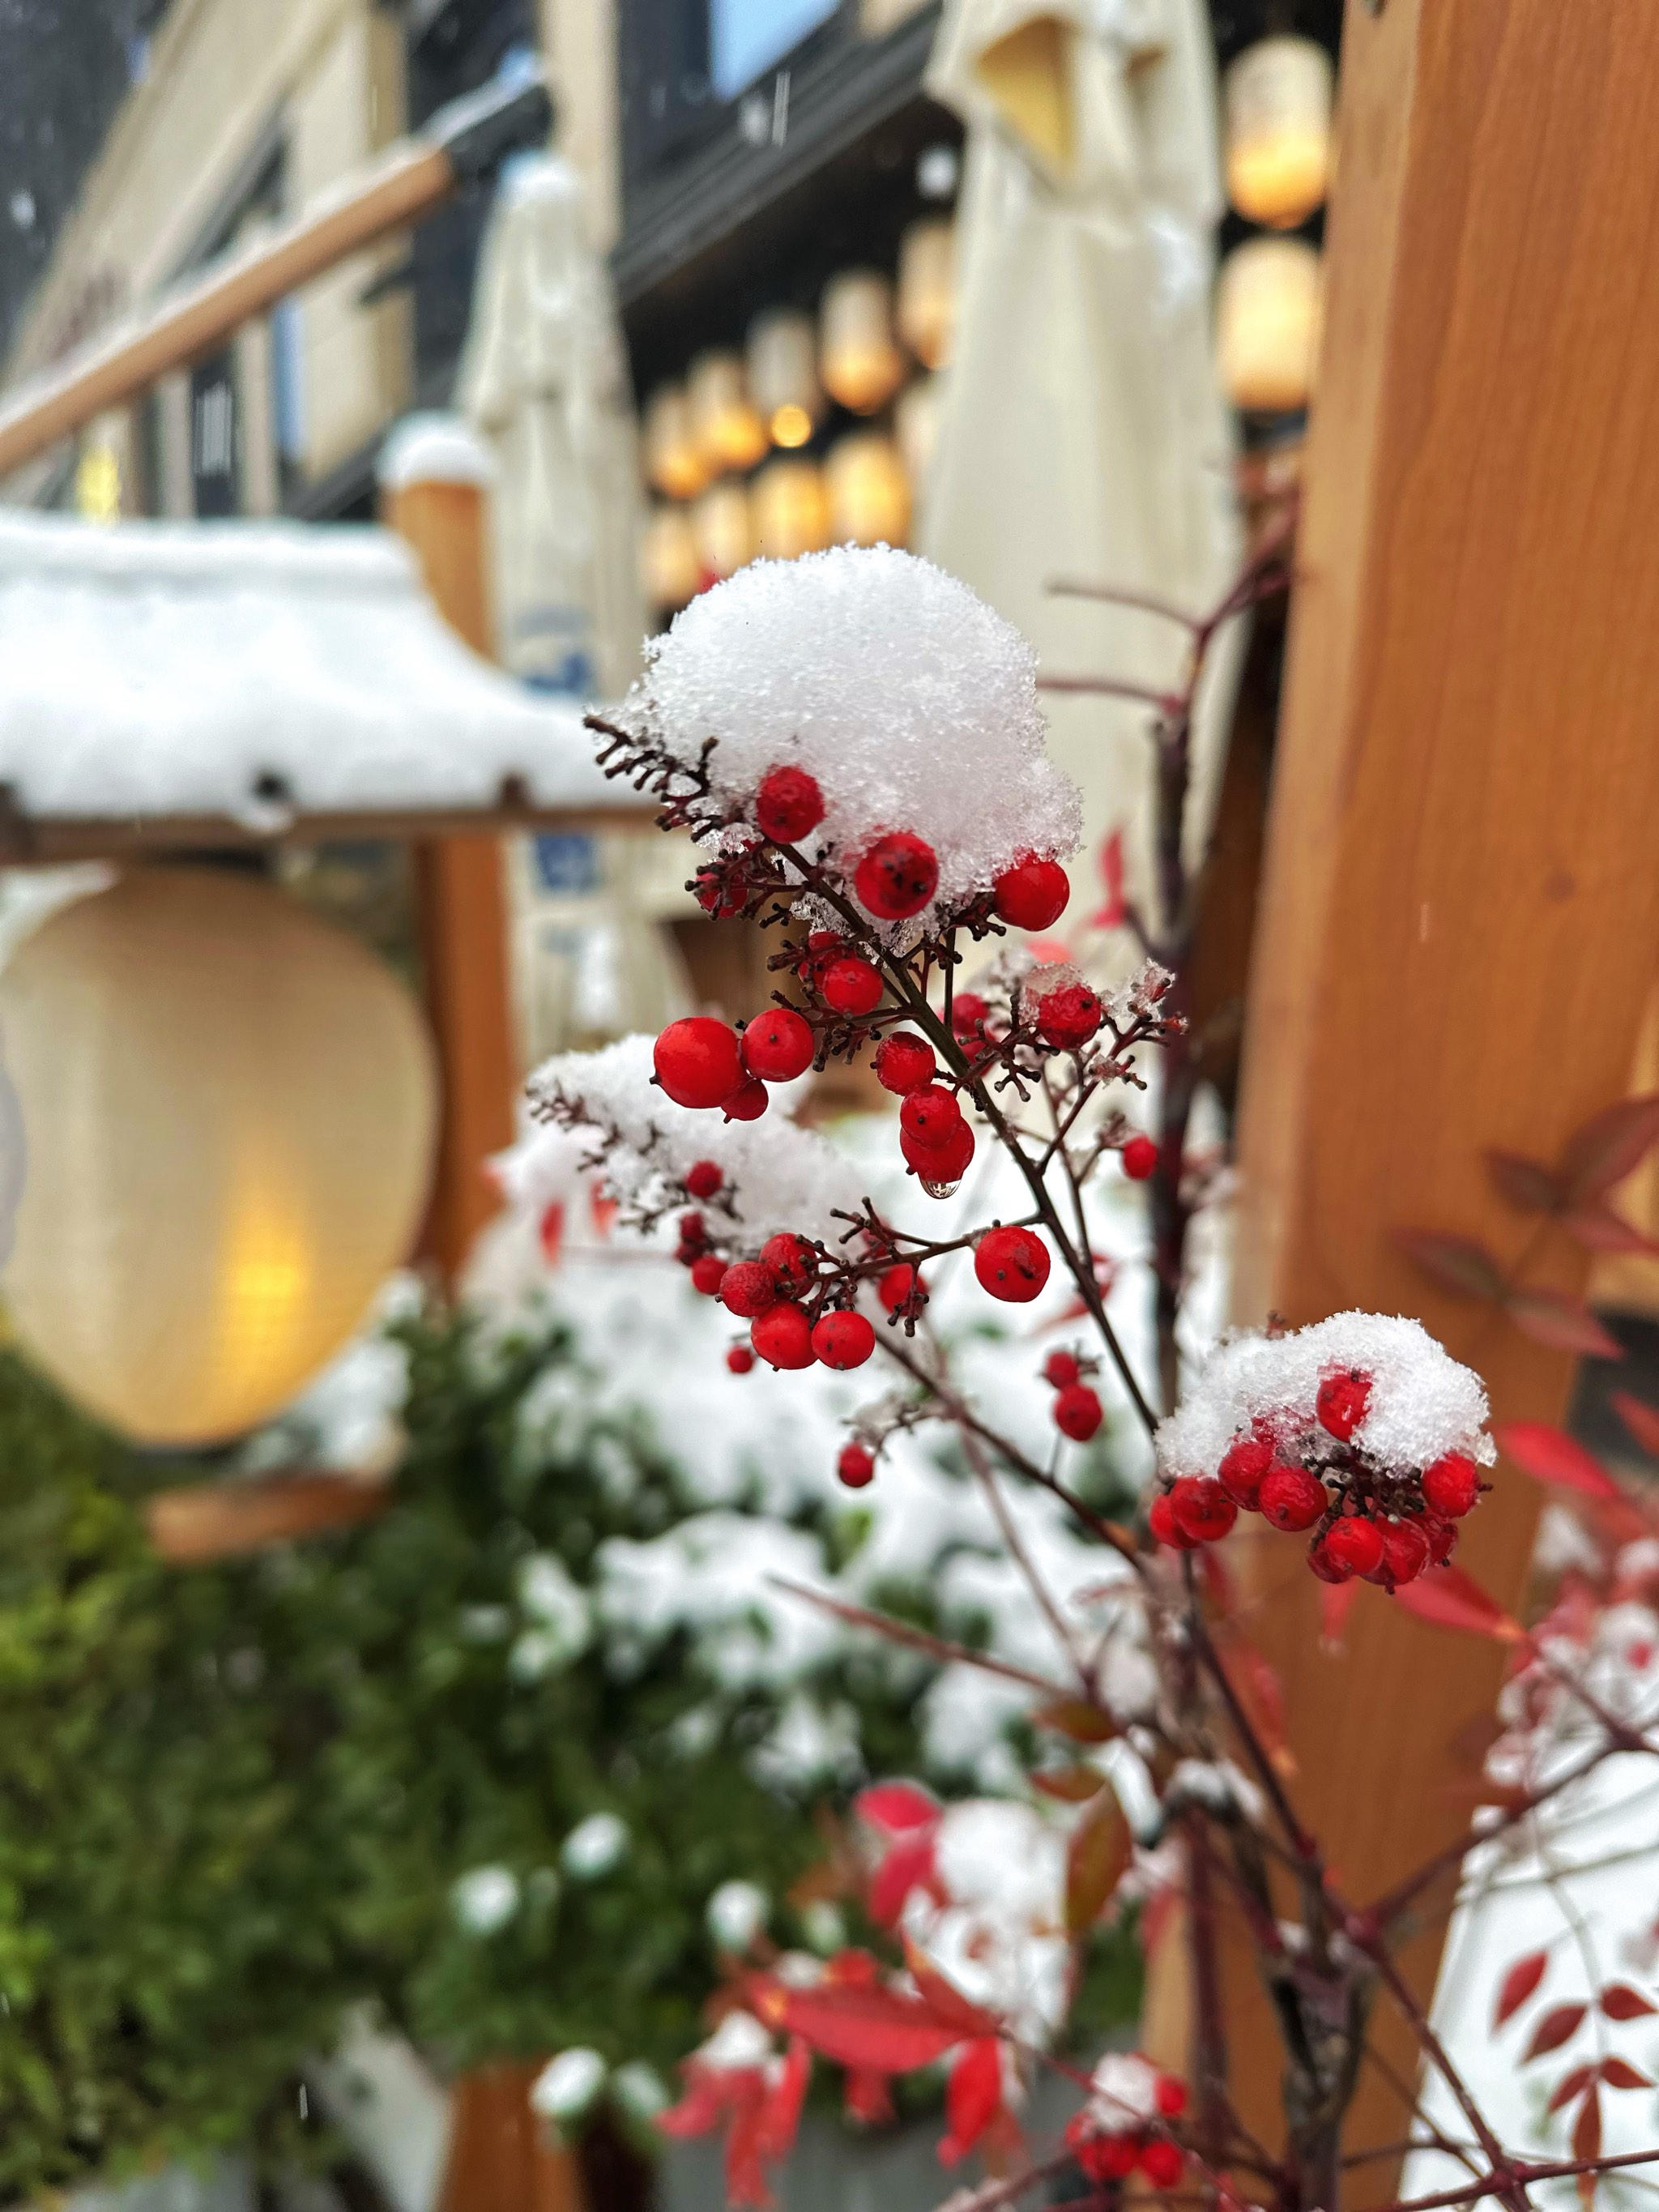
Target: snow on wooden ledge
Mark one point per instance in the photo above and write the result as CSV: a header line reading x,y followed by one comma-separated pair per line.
x,y
180,682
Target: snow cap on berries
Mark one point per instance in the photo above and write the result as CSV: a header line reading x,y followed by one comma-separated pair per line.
x,y
1123,2093
913,705
1422,1403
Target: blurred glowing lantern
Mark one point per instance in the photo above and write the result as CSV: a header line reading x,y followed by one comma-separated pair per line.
x,y
720,527
1278,131
916,424
859,364
728,432
790,513
670,571
869,490
230,1109
1268,324
673,462
783,374
926,290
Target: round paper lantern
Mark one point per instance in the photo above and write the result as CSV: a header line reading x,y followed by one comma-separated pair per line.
x,y
670,571
859,364
1268,324
728,432
783,374
230,1108
791,514
927,289
720,527
674,464
869,490
1278,131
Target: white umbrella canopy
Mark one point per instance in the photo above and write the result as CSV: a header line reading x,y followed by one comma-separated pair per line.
x,y
1082,432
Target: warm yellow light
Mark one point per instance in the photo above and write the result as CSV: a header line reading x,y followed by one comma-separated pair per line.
x,y
670,571
927,290
791,515
673,460
720,526
859,364
728,432
229,1107
98,484
791,426
783,373
869,490
1278,99
1268,313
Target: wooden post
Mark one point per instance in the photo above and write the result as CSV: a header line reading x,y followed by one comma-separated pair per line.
x,y
461,900
1462,899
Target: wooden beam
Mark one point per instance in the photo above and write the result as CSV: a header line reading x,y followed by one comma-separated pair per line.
x,y
51,840
1460,918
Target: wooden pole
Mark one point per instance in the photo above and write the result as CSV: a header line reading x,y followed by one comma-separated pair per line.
x,y
1461,910
462,904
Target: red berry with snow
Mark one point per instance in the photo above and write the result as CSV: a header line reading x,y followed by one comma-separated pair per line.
x,y
844,1339
697,1062
1328,1569
788,805
1171,2096
1202,1507
1243,1466
747,1289
854,1467
1292,1498
1404,1554
703,1179
747,1103
1451,1485
1140,1158
931,1116
721,892
1355,1546
739,1359
1077,1412
1062,1368
896,876
904,1063
1031,894
1163,2163
940,1164
1160,1519
1069,1016
1341,1403
969,1013
783,1336
1012,1264
778,1045
793,1260
707,1274
896,1284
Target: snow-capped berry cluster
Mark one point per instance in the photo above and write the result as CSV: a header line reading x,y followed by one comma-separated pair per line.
x,y
1361,1431
1124,2126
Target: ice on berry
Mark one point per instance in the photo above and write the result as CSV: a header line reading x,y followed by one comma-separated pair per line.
x,y
912,704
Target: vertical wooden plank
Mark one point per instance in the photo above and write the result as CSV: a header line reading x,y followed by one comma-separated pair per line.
x,y
462,905
1461,912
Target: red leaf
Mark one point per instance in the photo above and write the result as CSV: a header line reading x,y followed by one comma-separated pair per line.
x,y
872,2029
1451,1598
1619,2002
1602,1228
1095,1861
1612,1143
1111,916
1084,1723
909,1862
1558,2026
1642,1420
1549,1455
973,2098
945,2000
1617,2074
1073,1785
896,1805
1458,1264
1569,2087
781,2115
1587,2143
1523,1183
1518,1984
1564,1324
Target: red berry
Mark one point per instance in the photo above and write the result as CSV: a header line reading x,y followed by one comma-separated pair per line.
x,y
1032,893
1140,1158
1062,1368
1451,1485
1328,1569
747,1103
1201,1508
896,876
1012,1264
739,1359
851,986
1069,1016
1162,2163
747,1289
1355,1545
1160,1519
969,1013
1292,1498
894,1286
783,1336
904,1062
696,1061
844,1339
1443,1537
1171,2096
1243,1466
788,805
931,1116
793,1260
854,1467
1341,1403
1404,1554
940,1164
1077,1412
821,946
719,894
707,1274
1105,2158
703,1179
690,1227
778,1045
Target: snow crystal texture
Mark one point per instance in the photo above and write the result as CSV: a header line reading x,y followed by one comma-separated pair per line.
x,y
912,703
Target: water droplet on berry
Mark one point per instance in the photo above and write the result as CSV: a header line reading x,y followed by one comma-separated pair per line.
x,y
939,1189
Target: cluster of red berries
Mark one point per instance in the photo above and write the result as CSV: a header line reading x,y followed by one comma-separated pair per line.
x,y
1385,1527
1107,2153
1077,1406
782,1294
